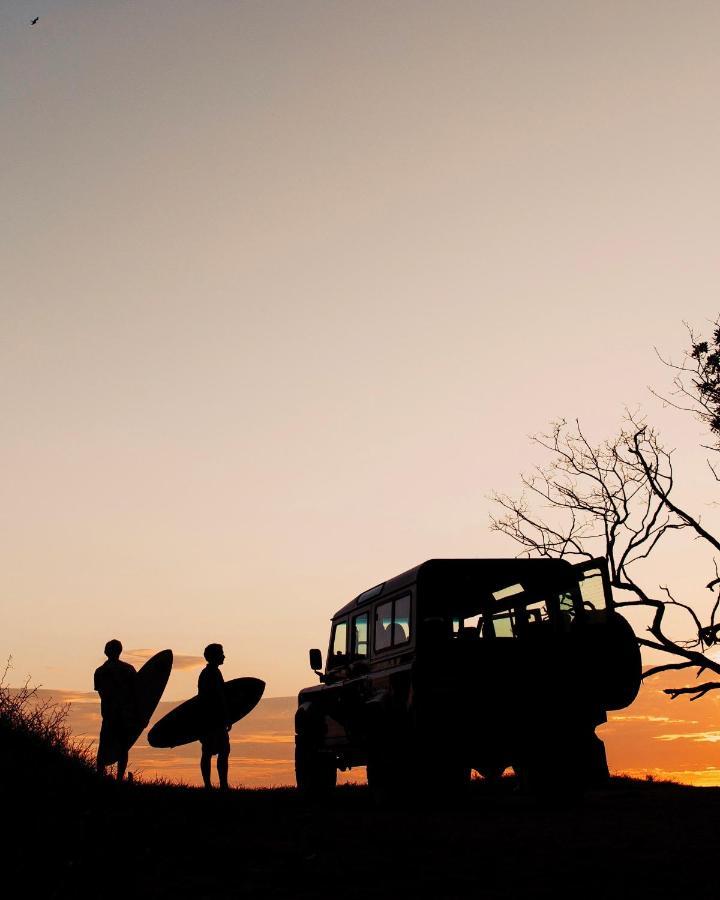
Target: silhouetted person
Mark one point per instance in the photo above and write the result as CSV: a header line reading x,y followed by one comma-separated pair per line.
x,y
116,682
216,720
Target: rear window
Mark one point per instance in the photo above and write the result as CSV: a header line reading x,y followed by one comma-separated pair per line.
x,y
593,590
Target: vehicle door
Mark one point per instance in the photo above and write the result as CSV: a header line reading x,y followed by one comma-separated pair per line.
x,y
392,652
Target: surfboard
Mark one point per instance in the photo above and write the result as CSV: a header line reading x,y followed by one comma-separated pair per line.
x,y
184,724
152,679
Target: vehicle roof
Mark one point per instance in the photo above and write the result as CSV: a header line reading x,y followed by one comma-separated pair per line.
x,y
535,572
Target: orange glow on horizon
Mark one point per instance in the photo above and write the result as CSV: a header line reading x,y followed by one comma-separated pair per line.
x,y
667,740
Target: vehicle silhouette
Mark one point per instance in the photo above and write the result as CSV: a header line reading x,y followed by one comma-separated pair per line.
x,y
462,664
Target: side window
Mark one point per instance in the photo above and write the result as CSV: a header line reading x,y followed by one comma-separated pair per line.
x,y
383,626
360,636
392,623
401,628
503,625
339,642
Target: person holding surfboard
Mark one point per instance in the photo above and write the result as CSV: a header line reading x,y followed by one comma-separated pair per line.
x,y
116,682
216,719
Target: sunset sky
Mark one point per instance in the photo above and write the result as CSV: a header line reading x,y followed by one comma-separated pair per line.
x,y
285,286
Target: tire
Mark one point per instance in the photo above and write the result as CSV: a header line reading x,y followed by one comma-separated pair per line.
x,y
609,655
315,773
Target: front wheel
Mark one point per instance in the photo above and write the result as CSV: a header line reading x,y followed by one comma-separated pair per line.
x,y
315,773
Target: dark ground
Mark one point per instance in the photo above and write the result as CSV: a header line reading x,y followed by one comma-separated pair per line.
x,y
632,839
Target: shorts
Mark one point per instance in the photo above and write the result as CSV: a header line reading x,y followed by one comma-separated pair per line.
x,y
216,741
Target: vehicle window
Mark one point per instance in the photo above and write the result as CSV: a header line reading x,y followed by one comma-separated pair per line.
x,y
503,626
512,611
401,619
383,626
568,607
392,623
592,590
534,612
510,591
369,593
360,636
339,641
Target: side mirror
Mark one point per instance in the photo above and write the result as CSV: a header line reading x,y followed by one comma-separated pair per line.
x,y
316,660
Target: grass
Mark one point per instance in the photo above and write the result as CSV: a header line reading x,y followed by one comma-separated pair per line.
x,y
74,834
631,839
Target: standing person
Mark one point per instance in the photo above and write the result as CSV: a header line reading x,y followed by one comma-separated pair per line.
x,y
116,682
215,740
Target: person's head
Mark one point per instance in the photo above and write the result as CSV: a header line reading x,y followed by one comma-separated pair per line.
x,y
214,654
113,649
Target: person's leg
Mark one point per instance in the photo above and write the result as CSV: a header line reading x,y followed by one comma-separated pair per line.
x,y
101,751
222,767
122,765
205,760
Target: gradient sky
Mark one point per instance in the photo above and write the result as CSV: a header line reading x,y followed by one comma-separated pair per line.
x,y
285,286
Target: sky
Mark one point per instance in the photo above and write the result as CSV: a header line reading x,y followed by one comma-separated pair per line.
x,y
285,287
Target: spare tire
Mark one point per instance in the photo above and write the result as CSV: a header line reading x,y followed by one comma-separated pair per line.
x,y
608,652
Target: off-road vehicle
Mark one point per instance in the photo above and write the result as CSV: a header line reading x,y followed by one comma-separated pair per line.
x,y
469,664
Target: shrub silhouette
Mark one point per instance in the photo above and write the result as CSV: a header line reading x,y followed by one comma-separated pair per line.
x,y
46,784
34,735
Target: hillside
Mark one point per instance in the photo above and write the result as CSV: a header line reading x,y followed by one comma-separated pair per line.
x,y
141,841
70,834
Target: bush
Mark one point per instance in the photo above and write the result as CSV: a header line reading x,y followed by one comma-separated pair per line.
x,y
35,732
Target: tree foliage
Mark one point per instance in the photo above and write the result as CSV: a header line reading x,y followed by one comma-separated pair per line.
x,y
696,382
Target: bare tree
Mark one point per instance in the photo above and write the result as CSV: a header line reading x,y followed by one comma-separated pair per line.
x,y
616,500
